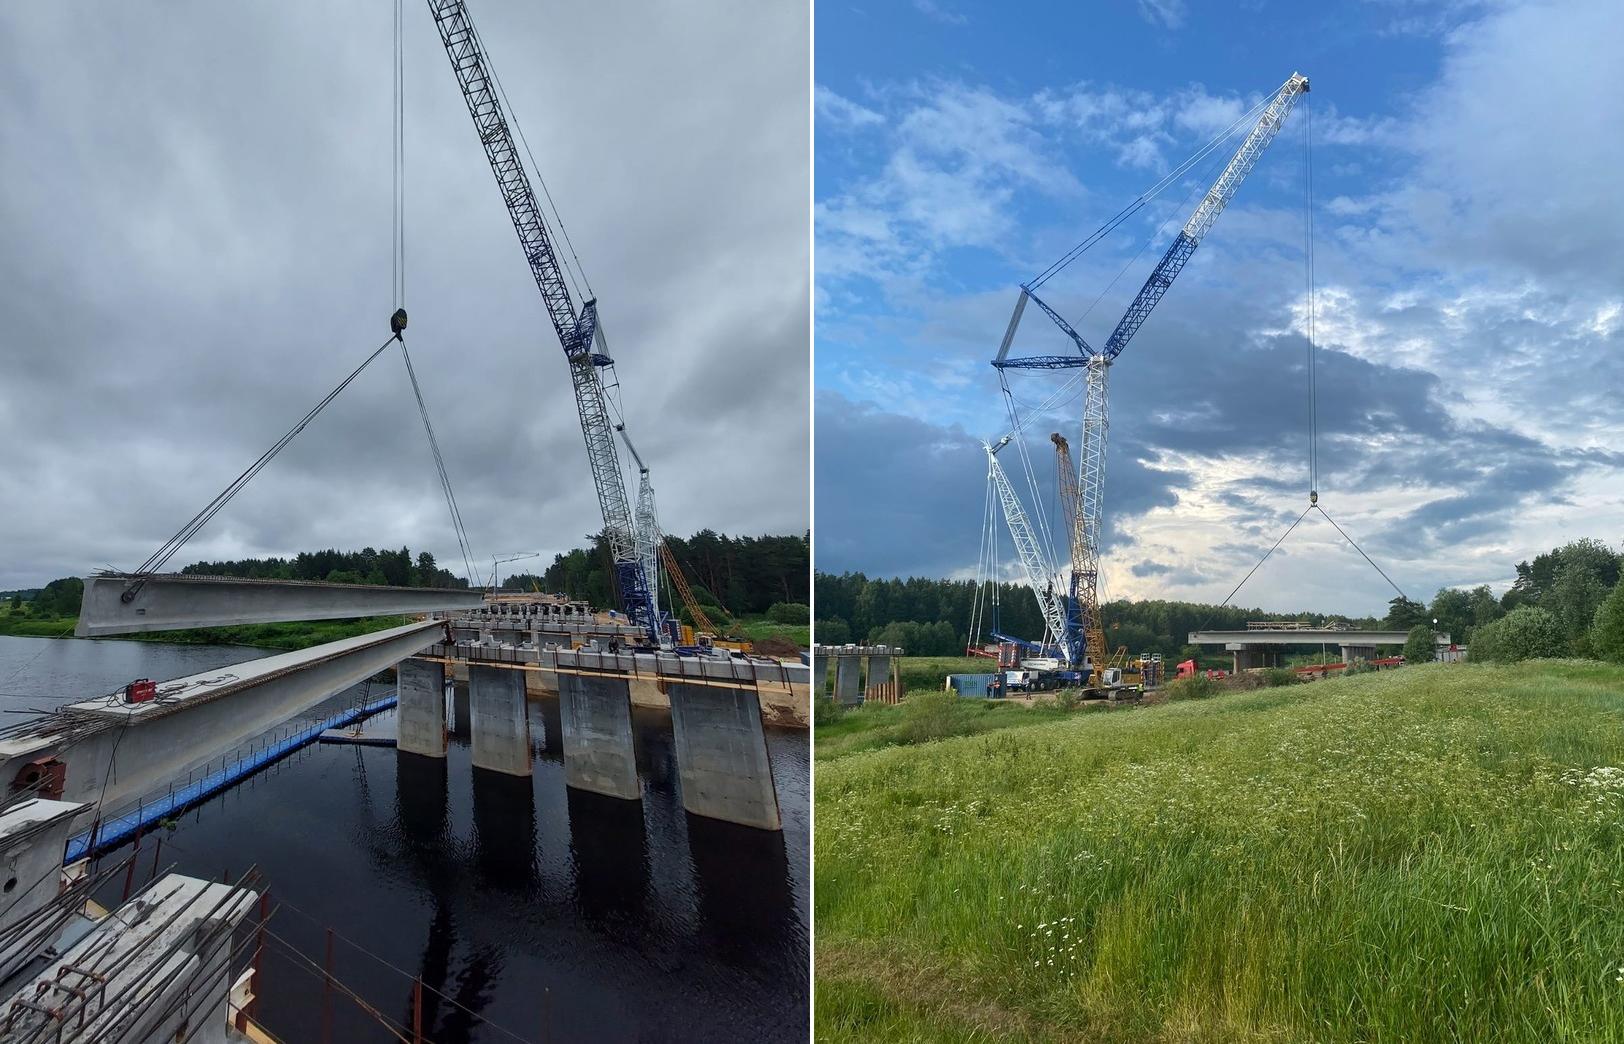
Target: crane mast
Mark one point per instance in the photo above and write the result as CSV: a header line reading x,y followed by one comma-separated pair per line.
x,y
1038,575
1083,497
578,331
646,524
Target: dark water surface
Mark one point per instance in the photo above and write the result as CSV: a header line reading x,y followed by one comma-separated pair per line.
x,y
554,914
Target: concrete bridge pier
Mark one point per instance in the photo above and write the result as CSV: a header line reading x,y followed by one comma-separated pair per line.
x,y
1248,657
1351,653
599,754
820,673
847,672
500,720
420,711
722,755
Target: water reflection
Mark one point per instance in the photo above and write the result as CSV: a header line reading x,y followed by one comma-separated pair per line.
x,y
505,830
609,855
744,888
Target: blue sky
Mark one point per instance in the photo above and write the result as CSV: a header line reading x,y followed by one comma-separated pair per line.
x,y
1469,280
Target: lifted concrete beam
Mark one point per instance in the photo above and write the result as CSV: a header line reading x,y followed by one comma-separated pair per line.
x,y
172,602
105,749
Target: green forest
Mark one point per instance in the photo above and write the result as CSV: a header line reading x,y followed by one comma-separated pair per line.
x,y
1561,591
746,576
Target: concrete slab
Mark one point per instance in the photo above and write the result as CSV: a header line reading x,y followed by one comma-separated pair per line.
x,y
599,752
172,602
722,756
500,723
420,710
159,969
33,834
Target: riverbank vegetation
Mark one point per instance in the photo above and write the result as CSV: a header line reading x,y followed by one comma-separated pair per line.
x,y
282,636
1430,853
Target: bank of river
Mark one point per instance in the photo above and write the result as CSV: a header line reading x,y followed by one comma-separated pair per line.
x,y
555,914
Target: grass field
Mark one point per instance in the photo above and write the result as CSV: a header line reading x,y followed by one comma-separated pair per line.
x,y
759,628
1432,853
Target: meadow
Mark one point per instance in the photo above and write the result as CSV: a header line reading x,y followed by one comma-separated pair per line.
x,y
1432,853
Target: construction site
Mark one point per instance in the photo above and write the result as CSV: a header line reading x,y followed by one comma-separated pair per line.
x,y
1045,522
548,707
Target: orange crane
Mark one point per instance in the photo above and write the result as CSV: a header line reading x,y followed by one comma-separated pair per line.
x,y
695,613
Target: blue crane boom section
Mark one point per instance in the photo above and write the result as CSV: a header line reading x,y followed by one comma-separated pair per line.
x,y
578,332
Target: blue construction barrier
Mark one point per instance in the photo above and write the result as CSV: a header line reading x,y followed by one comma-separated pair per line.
x,y
110,833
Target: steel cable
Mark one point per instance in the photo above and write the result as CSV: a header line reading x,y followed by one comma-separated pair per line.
x,y
164,553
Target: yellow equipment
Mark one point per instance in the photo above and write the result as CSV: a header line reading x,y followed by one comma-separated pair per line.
x,y
695,613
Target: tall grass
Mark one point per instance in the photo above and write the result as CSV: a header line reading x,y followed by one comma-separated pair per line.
x,y
1435,853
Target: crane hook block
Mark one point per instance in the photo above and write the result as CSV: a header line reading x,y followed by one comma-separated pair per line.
x,y
397,322
1313,497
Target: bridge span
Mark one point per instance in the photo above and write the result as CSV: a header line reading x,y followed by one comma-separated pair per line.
x,y
1259,646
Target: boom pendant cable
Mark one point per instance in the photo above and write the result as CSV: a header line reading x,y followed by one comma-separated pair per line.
x,y
1311,331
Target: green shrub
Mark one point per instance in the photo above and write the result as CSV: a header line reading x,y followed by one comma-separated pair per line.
x,y
1359,667
1525,633
826,711
930,716
1607,627
1069,699
1420,646
789,613
1276,676
1198,688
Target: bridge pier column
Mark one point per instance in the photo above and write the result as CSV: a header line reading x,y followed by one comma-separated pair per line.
x,y
599,754
847,670
420,708
501,723
722,755
1350,653
1251,658
820,674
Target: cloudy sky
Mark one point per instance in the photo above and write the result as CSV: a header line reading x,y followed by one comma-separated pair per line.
x,y
195,246
1469,249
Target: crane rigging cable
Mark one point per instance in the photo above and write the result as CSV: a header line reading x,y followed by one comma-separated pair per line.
x,y
398,322
1151,193
1310,331
158,558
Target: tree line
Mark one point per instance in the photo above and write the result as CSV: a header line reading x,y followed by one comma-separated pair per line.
x,y
742,575
932,617
1567,584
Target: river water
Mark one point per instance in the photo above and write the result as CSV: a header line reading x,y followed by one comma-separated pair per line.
x,y
538,912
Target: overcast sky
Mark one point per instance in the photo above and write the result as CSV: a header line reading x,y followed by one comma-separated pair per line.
x,y
1469,266
195,246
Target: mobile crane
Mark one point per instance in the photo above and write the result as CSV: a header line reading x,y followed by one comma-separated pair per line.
x,y
1070,604
578,330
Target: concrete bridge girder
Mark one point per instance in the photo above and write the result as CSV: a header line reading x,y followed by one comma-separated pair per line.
x,y
113,752
174,602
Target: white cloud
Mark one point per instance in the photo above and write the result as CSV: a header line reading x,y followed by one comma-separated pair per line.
x,y
842,111
932,9
1168,14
